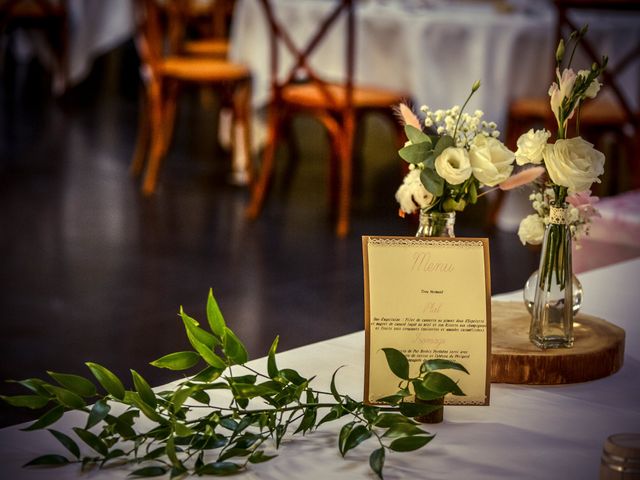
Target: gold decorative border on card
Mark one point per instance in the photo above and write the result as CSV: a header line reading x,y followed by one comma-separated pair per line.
x,y
401,242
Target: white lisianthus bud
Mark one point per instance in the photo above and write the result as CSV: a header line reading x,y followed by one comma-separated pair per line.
x,y
594,86
531,145
491,161
453,165
573,163
531,230
562,91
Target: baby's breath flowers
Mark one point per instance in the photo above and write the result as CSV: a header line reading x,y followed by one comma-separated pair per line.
x,y
451,155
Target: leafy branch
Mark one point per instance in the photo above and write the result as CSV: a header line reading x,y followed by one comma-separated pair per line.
x,y
184,432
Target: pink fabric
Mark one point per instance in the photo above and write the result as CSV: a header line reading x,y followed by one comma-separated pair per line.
x,y
614,236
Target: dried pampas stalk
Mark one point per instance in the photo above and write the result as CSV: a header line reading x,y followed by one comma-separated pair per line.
x,y
522,178
407,116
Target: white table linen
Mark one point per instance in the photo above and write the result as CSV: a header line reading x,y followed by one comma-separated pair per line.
x,y
532,432
434,50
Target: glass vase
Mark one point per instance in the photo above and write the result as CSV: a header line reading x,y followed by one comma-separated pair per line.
x,y
436,224
552,314
529,292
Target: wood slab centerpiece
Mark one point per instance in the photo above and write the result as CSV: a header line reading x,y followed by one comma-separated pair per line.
x,y
597,352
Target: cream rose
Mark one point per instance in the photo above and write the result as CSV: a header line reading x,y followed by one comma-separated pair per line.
x,y
453,165
530,146
412,193
491,161
531,230
573,163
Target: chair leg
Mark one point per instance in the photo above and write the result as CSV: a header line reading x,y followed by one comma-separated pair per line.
x,y
346,171
259,189
242,168
156,140
169,107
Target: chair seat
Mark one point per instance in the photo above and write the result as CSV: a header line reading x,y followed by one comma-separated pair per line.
x,y
599,111
202,69
213,47
310,96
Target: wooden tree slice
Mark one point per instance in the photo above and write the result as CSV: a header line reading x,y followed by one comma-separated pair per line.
x,y
598,350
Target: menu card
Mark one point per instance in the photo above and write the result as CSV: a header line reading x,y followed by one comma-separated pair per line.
x,y
429,298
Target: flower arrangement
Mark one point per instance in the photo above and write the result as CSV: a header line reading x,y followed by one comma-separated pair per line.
x,y
451,155
572,165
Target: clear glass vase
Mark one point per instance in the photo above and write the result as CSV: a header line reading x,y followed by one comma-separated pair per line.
x,y
436,224
552,313
529,292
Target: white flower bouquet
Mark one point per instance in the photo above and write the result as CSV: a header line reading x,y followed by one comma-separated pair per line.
x,y
451,155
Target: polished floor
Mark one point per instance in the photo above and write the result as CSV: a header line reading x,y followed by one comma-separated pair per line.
x,y
92,271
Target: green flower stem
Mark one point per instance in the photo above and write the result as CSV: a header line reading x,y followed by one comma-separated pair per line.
x,y
474,88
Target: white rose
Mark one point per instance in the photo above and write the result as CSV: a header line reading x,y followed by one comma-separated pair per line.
x,y
491,161
531,145
593,88
412,193
531,230
573,163
453,165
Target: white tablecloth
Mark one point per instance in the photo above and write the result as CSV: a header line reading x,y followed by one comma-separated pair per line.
x,y
434,53
527,432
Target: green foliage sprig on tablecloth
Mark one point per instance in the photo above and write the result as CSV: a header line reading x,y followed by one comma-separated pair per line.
x,y
181,432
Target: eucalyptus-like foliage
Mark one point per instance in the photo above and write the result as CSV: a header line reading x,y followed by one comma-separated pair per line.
x,y
183,432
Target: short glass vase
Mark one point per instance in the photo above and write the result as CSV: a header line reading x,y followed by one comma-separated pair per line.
x,y
437,224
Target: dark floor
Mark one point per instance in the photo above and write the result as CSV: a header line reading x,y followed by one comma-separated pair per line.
x,y
91,270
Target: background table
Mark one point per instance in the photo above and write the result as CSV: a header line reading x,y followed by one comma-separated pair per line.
x,y
526,432
433,50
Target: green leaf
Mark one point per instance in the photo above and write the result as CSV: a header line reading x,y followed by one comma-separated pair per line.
x,y
416,153
443,143
408,444
386,420
98,412
344,435
177,361
205,352
438,382
66,397
247,390
107,379
170,450
49,460
204,337
92,440
34,384
133,398
308,420
155,471
143,389
234,348
219,468
337,411
392,399
67,442
358,435
397,362
259,457
473,192
416,136
214,316
404,430
234,452
208,375
334,390
442,364
49,418
423,393
201,396
29,401
75,383
376,461
292,376
182,430
433,182
272,368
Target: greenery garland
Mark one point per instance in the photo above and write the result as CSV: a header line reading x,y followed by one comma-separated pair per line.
x,y
225,439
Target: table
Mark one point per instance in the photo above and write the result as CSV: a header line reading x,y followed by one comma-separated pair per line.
x,y
433,49
526,432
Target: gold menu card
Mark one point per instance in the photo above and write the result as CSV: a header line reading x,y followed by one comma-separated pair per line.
x,y
429,298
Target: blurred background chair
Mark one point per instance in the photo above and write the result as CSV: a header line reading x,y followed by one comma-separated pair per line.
x,y
49,19
164,70
204,28
339,106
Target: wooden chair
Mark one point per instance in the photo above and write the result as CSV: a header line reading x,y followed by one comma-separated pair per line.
x,y
163,73
48,17
611,111
338,106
